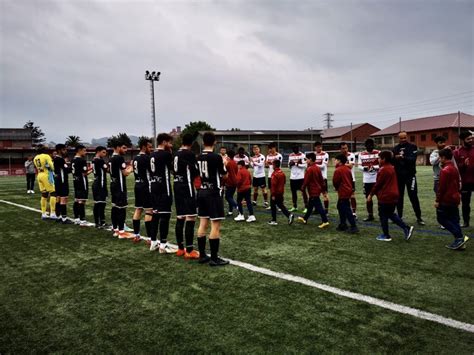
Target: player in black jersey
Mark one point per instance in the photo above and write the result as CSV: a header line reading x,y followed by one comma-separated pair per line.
x,y
161,166
141,170
210,202
186,170
99,186
81,184
118,187
61,182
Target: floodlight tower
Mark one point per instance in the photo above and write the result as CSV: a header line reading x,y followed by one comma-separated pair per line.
x,y
152,77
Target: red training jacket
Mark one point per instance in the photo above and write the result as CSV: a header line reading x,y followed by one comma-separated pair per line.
x,y
232,170
278,182
448,189
342,181
466,171
313,181
386,185
244,180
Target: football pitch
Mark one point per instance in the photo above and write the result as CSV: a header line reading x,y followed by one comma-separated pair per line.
x,y
69,289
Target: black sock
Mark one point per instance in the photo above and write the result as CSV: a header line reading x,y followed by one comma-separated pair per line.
x,y
155,221
149,228
164,226
179,232
214,244
136,226
96,214
82,211
75,208
121,220
189,235
63,209
58,207
113,216
102,213
202,245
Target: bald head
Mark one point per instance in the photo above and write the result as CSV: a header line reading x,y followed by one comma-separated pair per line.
x,y
402,137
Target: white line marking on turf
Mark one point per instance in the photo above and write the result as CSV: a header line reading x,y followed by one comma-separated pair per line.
x,y
337,291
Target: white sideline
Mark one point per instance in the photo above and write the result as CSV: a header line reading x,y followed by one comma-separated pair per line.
x,y
337,291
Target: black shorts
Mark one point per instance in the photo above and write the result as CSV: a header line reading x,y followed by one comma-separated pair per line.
x,y
466,187
296,185
161,199
185,200
62,189
353,186
99,193
142,195
368,187
119,197
210,205
325,186
259,182
81,189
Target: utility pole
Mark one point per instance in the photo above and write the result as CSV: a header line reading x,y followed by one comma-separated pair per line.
x,y
152,77
328,120
459,128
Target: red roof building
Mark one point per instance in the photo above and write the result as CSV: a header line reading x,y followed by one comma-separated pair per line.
x,y
360,132
423,131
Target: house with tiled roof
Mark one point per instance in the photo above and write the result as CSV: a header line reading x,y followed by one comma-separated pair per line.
x,y
422,131
354,135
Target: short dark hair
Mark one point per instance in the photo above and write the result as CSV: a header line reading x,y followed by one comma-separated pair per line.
x,y
369,141
40,149
464,135
342,158
241,149
163,137
317,144
100,148
116,142
440,139
276,163
272,145
60,146
256,145
208,138
143,142
231,154
311,156
386,155
187,139
342,144
446,153
241,162
80,147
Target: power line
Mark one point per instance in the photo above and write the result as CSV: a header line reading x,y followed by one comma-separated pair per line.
x,y
414,103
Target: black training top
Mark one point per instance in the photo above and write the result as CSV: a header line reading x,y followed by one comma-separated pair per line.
x,y
100,169
211,170
79,167
161,168
116,165
61,169
185,166
407,165
141,167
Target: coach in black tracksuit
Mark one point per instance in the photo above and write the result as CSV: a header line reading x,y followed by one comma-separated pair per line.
x,y
405,166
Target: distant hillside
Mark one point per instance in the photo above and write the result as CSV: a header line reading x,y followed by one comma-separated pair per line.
x,y
103,141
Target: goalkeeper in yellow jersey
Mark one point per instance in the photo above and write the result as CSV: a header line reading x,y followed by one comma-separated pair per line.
x,y
45,167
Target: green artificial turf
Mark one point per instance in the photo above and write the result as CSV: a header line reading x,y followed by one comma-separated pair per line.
x,y
73,290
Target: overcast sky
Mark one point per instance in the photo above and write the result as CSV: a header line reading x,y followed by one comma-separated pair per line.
x,y
77,67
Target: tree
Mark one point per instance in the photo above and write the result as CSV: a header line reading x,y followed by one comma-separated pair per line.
x,y
73,141
122,137
195,127
37,135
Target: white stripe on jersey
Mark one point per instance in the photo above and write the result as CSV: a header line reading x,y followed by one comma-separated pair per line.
x,y
167,175
188,174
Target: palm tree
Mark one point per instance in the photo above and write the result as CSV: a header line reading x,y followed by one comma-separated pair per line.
x,y
73,141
